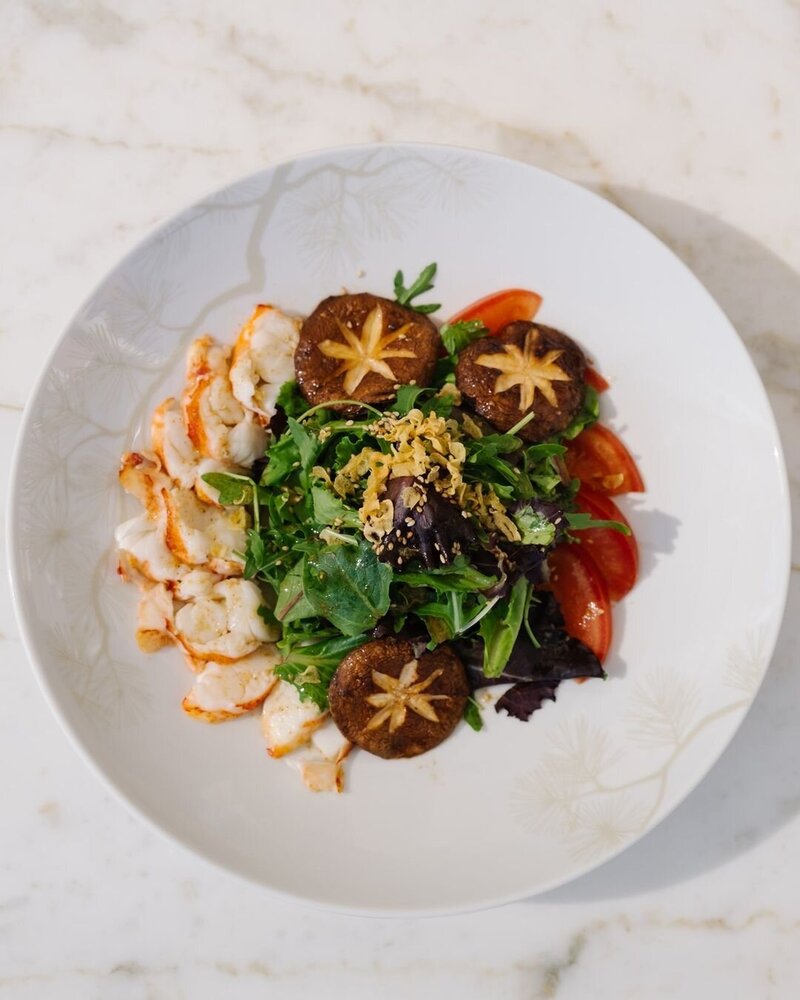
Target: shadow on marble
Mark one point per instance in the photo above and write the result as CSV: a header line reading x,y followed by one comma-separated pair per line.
x,y
754,788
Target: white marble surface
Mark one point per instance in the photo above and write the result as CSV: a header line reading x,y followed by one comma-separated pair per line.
x,y
112,116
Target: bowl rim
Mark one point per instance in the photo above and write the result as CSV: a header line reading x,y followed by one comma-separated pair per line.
x,y
74,737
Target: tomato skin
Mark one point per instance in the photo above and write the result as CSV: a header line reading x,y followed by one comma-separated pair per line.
x,y
596,380
582,595
615,555
602,462
501,308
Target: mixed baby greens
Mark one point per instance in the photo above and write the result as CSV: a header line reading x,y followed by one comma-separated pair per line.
x,y
455,554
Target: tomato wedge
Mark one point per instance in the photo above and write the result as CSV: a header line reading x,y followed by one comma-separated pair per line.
x,y
615,555
501,308
602,462
582,595
595,380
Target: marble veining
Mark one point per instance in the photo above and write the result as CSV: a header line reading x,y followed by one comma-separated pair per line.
x,y
113,117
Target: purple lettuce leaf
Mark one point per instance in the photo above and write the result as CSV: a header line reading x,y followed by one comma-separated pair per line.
x,y
522,700
534,671
433,530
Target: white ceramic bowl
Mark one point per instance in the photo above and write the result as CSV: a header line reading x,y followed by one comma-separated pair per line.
x,y
486,817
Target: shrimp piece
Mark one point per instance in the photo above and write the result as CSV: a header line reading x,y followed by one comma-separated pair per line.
x,y
204,536
222,692
195,583
263,359
172,443
179,457
225,625
287,722
141,475
216,423
206,357
143,554
154,618
320,763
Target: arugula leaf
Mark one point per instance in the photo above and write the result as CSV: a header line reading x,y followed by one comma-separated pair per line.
x,y
291,400
486,461
540,476
255,554
307,445
329,509
423,283
233,489
345,448
451,613
457,336
443,616
579,521
407,396
348,585
500,628
459,575
472,715
310,661
444,370
281,459
587,415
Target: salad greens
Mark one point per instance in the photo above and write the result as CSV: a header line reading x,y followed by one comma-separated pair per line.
x,y
424,283
421,521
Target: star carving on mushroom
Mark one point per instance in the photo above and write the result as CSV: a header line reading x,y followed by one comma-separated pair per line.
x,y
366,351
401,693
525,369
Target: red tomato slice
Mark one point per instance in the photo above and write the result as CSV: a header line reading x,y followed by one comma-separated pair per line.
x,y
615,555
602,462
582,595
498,310
595,380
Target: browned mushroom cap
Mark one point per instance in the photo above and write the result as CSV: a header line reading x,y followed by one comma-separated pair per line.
x,y
393,704
361,347
526,367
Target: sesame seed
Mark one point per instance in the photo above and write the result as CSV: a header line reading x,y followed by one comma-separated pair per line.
x,y
410,536
437,546
410,522
464,513
442,557
349,423
399,560
390,546
413,381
